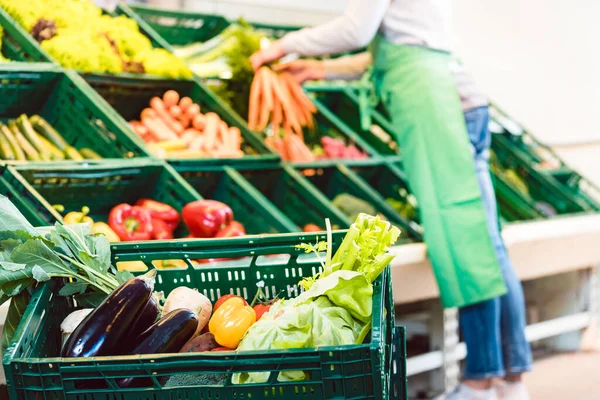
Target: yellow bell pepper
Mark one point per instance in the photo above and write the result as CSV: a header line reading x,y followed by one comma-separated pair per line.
x,y
106,230
78,217
230,322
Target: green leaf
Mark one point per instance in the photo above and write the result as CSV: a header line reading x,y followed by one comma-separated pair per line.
x,y
13,318
72,288
35,252
39,274
18,235
14,288
123,276
90,300
11,218
61,243
10,266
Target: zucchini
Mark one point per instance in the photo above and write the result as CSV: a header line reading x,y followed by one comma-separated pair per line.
x,y
30,152
6,151
27,130
104,329
10,136
71,153
89,154
47,131
55,153
168,335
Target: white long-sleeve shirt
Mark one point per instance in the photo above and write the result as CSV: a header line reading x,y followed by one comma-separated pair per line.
x,y
426,23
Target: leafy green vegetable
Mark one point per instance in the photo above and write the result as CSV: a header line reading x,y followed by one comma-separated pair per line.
x,y
27,257
15,313
336,307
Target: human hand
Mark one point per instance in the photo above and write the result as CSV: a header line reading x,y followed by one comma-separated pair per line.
x,y
303,70
264,56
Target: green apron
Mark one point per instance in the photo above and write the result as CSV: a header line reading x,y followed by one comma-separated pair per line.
x,y
419,91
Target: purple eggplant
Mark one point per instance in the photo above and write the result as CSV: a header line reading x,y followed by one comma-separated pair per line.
x,y
168,335
102,332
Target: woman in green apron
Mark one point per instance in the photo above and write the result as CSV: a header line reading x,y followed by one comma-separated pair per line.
x,y
413,75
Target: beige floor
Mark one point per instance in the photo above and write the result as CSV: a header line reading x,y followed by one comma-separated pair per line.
x,y
566,377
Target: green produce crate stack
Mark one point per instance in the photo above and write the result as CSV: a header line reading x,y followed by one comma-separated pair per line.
x,y
511,140
61,98
296,197
373,370
249,206
99,187
130,95
343,187
345,101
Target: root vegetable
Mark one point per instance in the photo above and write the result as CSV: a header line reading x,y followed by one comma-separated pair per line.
x,y
175,111
199,344
170,98
161,110
184,103
184,297
192,111
72,321
199,122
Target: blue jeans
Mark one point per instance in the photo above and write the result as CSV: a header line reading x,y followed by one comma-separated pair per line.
x,y
493,330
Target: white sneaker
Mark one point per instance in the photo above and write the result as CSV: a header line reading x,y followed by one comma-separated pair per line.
x,y
511,390
464,392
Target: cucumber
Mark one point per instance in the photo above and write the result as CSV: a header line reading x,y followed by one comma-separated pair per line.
x,y
30,152
55,153
47,131
71,153
89,154
6,151
168,335
27,130
103,330
10,136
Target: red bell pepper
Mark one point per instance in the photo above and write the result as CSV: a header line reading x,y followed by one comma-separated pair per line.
x,y
261,309
161,230
205,218
131,222
160,210
231,230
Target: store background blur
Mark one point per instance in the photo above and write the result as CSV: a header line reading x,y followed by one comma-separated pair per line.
x,y
560,79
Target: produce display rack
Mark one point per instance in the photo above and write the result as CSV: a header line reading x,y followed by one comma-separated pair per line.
x,y
375,369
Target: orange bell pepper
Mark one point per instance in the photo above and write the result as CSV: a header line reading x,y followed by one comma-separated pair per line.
x,y
230,322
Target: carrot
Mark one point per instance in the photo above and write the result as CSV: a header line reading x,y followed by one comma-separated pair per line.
x,y
227,142
158,129
253,101
139,128
170,98
189,135
211,130
192,111
184,120
266,103
236,137
148,112
199,122
281,90
197,143
298,93
184,103
277,117
175,111
157,105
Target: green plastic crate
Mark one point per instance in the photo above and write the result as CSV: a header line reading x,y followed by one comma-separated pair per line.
x,y
337,179
249,206
60,97
6,189
345,103
130,95
99,187
179,27
365,371
296,197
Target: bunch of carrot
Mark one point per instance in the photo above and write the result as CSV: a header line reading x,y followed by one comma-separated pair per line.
x,y
280,100
175,127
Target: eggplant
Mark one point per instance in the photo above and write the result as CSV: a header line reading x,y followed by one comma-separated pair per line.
x,y
104,329
168,335
147,318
